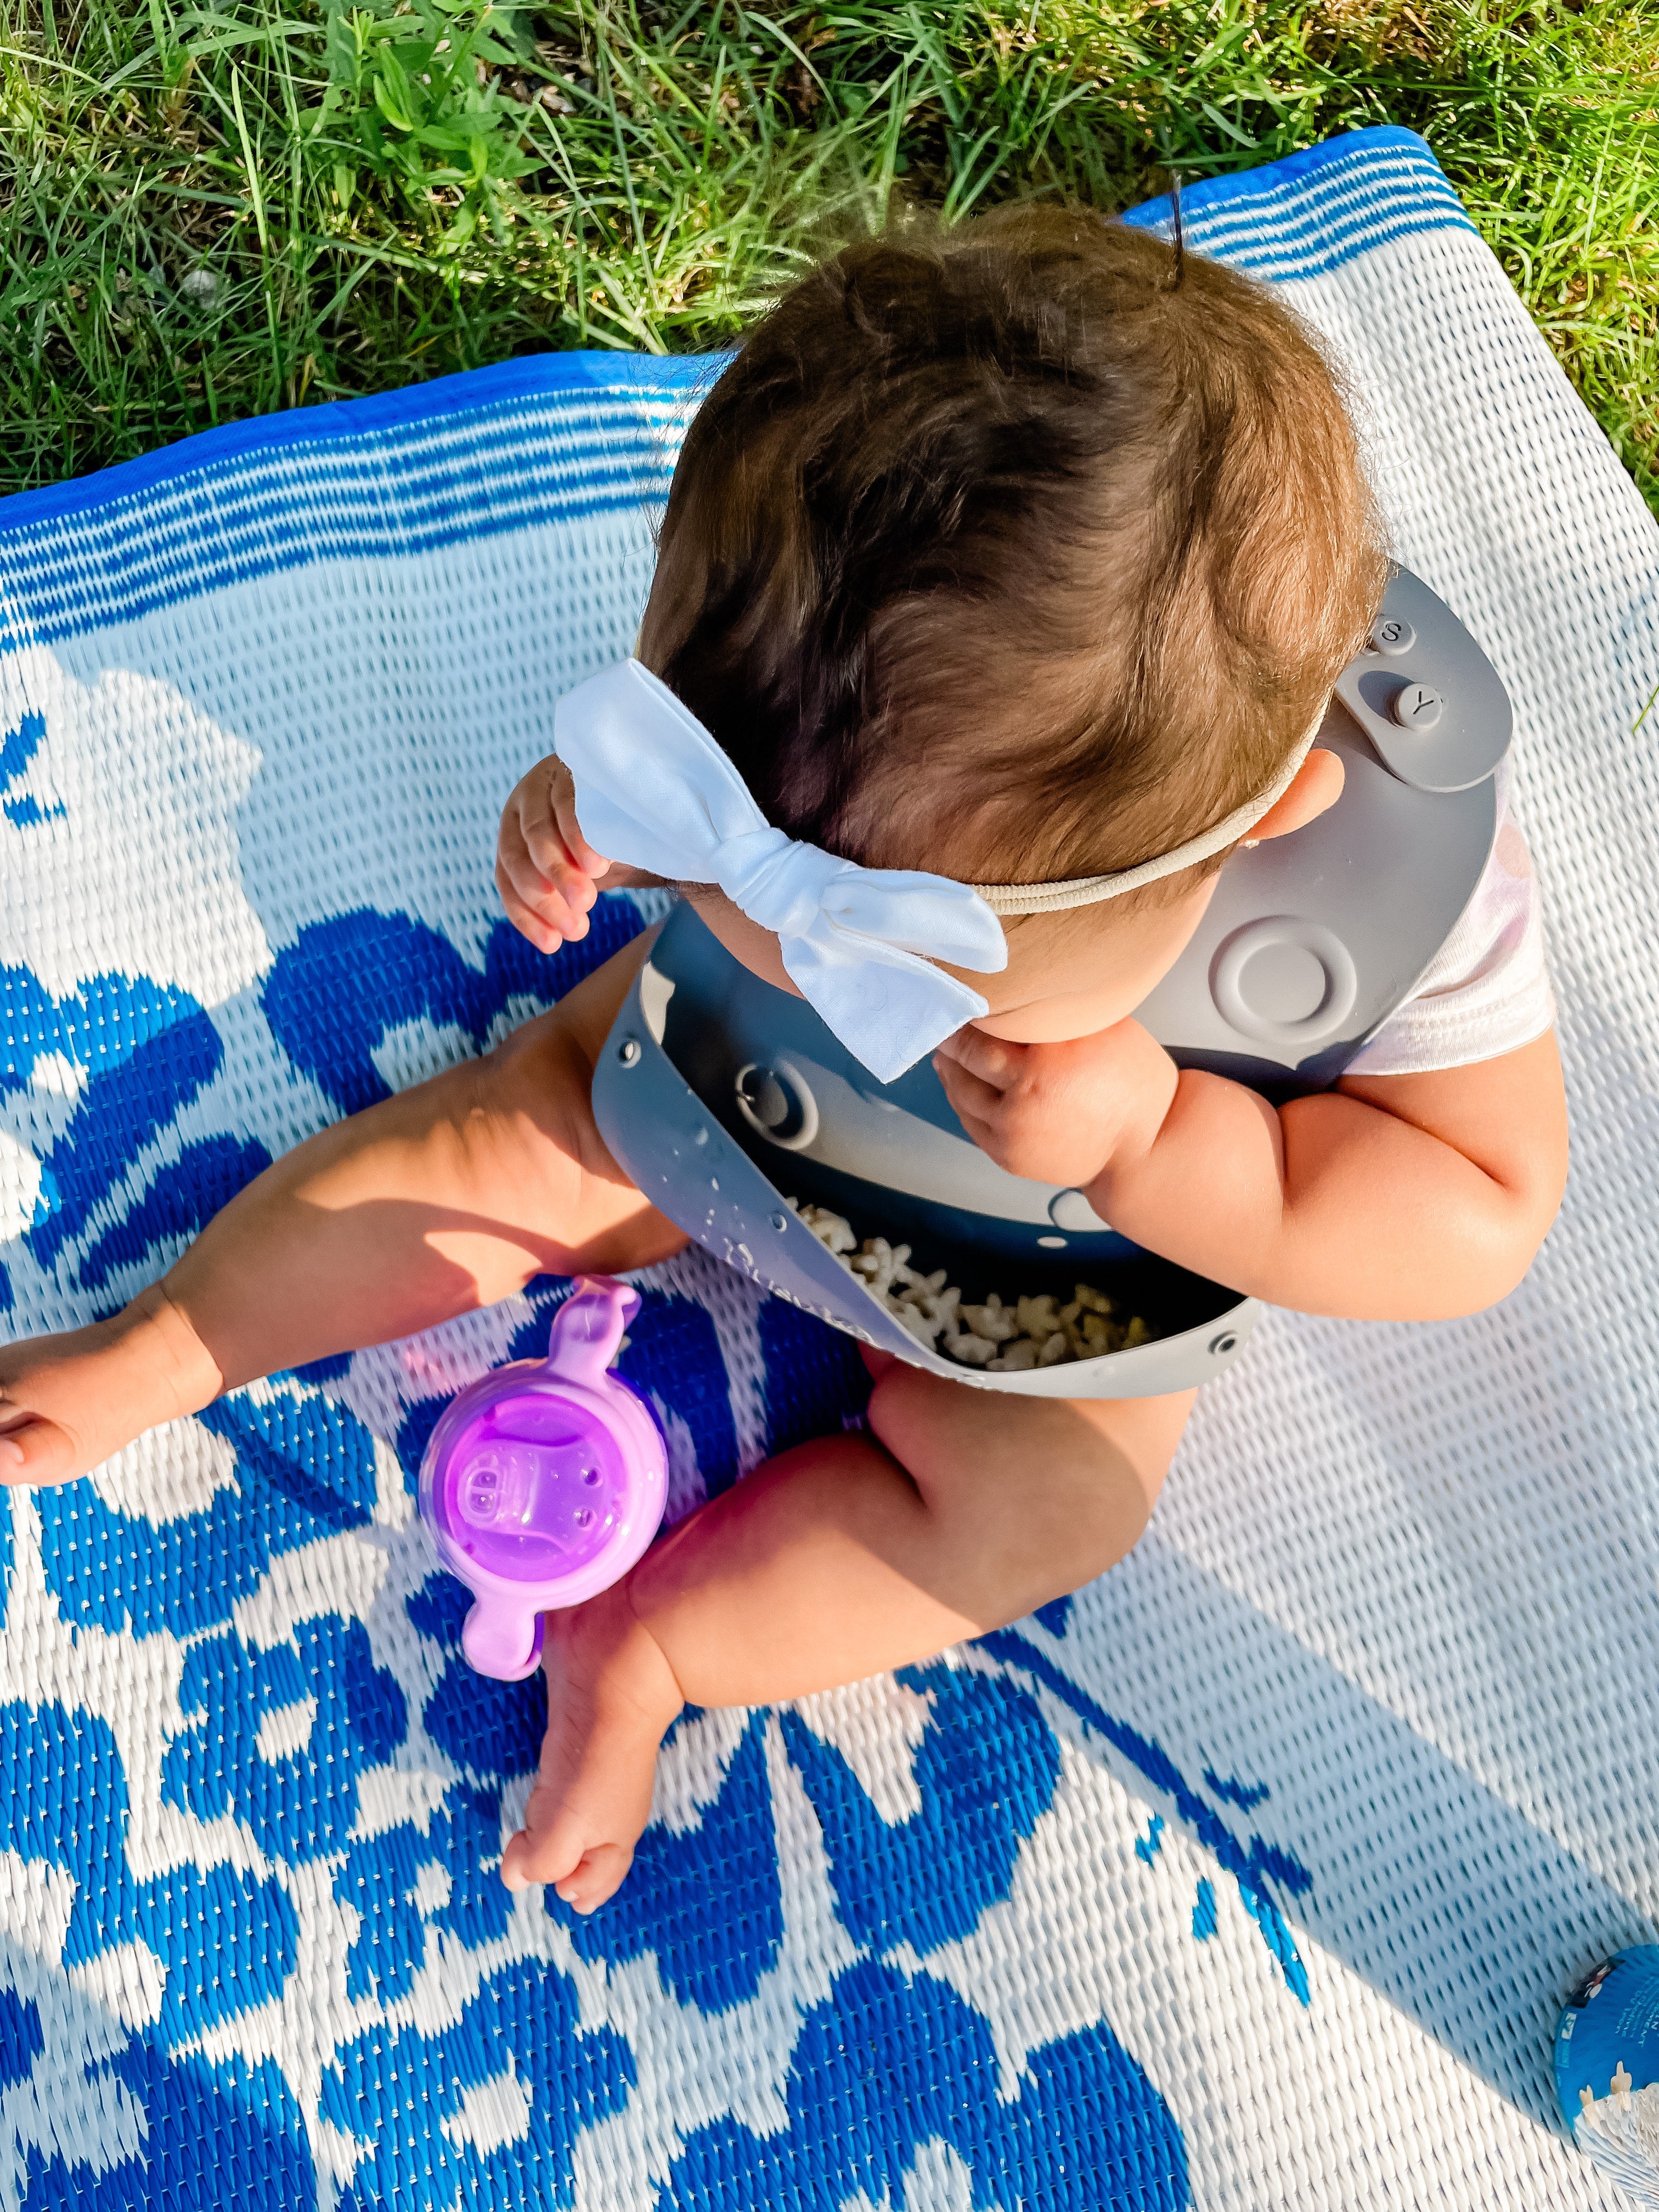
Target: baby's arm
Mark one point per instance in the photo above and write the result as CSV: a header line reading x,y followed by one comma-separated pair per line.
x,y
1399,1198
447,1197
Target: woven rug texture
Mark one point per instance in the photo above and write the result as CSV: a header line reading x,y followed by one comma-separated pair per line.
x,y
1250,1878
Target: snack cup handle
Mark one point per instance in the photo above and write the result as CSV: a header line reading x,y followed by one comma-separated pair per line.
x,y
503,1640
587,1329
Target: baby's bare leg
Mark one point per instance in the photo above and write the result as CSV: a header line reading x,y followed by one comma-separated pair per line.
x,y
959,1511
445,1198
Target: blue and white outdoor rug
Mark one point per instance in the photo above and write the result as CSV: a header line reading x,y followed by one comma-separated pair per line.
x,y
1251,1879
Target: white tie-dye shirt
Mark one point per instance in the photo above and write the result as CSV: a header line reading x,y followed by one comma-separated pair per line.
x,y
1487,989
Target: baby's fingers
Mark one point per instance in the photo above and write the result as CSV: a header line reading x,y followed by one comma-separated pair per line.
x,y
992,1059
543,811
557,856
546,936
991,1137
973,1097
548,921
561,791
546,909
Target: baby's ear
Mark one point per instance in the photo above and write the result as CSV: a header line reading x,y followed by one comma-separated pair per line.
x,y
1315,788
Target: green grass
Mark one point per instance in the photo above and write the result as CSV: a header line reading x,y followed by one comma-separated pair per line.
x,y
208,213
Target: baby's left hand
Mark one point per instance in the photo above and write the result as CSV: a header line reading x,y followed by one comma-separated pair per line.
x,y
1059,1113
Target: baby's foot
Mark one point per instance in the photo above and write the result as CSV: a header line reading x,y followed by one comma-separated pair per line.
x,y
611,1695
67,1403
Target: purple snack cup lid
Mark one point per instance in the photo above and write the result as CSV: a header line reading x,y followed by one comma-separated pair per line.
x,y
544,1481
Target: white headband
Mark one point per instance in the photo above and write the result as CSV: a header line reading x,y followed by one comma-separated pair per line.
x,y
1089,891
655,791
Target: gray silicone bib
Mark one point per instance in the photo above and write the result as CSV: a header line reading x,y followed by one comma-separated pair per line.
x,y
723,1097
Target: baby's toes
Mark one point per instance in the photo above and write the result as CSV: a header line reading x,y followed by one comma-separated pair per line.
x,y
584,1874
597,1875
548,1849
32,1448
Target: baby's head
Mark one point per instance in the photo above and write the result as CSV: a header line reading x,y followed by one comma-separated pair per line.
x,y
1020,553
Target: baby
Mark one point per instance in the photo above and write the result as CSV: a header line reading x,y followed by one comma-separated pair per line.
x,y
1021,556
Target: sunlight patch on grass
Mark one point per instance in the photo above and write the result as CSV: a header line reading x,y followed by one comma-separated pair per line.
x,y
213,212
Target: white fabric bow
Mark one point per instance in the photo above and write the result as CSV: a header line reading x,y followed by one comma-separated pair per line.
x,y
655,791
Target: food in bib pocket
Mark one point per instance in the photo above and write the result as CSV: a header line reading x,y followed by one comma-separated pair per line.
x,y
1003,1340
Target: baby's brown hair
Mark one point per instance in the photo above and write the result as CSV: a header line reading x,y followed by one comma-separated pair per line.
x,y
1016,551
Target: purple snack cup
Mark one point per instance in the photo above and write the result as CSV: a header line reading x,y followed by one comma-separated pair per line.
x,y
544,1482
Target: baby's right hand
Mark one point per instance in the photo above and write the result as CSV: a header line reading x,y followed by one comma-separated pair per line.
x,y
545,870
